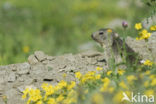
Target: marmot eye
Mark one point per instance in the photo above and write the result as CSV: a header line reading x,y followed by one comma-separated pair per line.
x,y
101,33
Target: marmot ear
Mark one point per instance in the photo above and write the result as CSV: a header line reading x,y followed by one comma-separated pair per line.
x,y
116,35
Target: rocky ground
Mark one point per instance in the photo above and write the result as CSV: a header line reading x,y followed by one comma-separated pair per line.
x,y
43,68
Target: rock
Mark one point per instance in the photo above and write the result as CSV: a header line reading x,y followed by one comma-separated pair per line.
x,y
21,89
14,68
23,68
1,90
91,54
11,77
32,60
149,21
146,50
45,62
91,61
14,97
40,56
1,100
152,45
50,58
2,75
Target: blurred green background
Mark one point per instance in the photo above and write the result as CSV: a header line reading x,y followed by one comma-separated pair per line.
x,y
58,26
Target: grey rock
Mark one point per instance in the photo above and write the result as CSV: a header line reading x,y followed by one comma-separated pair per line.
x,y
32,60
50,58
145,49
14,68
14,97
90,54
2,76
23,68
1,100
91,61
149,21
40,55
11,77
21,88
45,62
1,89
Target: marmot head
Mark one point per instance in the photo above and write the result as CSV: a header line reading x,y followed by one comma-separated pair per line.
x,y
104,37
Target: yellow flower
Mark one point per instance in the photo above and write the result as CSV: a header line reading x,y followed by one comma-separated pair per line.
x,y
148,63
104,88
62,84
123,85
59,98
4,98
105,80
89,76
111,89
109,30
44,85
109,73
153,83
25,92
138,26
144,34
153,28
39,102
152,76
78,75
144,31
105,85
52,101
118,97
121,72
97,98
49,90
149,92
98,76
26,49
71,85
146,83
137,38
90,73
34,95
99,68
70,98
147,72
131,78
